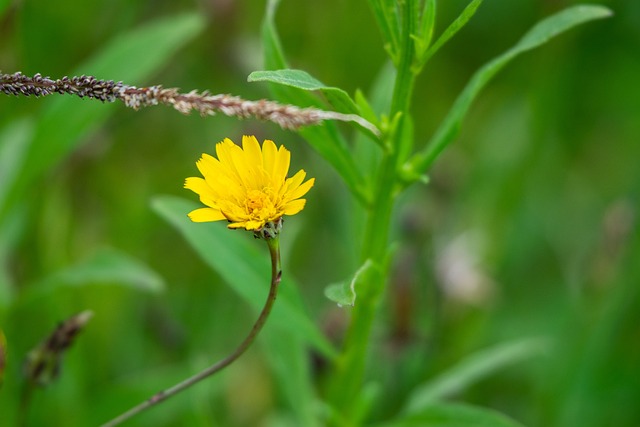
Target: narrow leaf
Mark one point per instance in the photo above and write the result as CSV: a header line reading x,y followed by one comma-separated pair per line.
x,y
14,142
427,25
539,34
455,26
289,357
471,370
245,266
107,266
453,415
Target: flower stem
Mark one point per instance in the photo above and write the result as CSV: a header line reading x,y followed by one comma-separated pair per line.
x,y
276,274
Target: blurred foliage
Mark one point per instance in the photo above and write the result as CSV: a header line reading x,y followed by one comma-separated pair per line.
x,y
528,228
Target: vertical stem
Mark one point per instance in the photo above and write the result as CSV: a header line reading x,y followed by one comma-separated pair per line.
x,y
348,377
276,274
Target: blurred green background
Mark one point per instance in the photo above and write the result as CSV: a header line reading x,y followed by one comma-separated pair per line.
x,y
528,228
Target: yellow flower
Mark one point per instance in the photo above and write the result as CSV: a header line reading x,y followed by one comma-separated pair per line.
x,y
247,186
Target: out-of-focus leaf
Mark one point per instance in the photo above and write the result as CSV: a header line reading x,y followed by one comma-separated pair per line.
x,y
538,35
472,369
345,293
3,5
453,415
10,231
107,266
14,142
337,97
288,355
131,57
245,266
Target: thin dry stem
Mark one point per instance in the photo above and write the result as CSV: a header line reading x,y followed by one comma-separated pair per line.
x,y
286,116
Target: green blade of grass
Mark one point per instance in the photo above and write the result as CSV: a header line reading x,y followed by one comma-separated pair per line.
x,y
538,35
471,370
451,31
106,266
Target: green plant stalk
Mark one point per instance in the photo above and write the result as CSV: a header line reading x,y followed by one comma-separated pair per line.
x,y
276,273
347,379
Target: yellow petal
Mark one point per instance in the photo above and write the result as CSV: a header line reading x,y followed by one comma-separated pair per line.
x,y
206,215
269,153
197,185
294,206
295,181
252,151
280,168
301,190
226,152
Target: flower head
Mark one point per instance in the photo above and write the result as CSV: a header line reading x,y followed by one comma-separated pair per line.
x,y
247,186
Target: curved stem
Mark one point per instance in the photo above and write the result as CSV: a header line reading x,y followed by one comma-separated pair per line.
x,y
276,273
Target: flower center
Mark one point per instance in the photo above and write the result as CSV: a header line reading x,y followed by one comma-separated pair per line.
x,y
256,202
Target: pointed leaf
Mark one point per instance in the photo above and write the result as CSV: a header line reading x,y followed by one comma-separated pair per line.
x,y
451,31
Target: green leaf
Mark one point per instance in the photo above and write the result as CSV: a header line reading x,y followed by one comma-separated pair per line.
x,y
337,97
289,357
471,370
539,34
245,266
107,266
427,24
10,231
3,5
345,293
453,415
131,57
14,142
461,21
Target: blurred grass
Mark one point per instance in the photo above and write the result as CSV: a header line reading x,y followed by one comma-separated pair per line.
x,y
545,175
